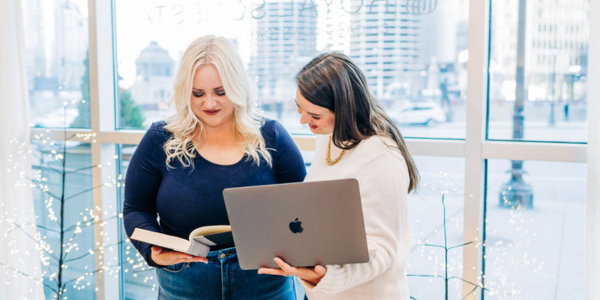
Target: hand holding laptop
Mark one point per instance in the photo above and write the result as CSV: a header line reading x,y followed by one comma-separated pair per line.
x,y
308,274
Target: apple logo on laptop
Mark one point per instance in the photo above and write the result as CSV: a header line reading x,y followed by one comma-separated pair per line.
x,y
296,226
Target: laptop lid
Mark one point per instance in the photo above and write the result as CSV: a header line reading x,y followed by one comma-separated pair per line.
x,y
305,224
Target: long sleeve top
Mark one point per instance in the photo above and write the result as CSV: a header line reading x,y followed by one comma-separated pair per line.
x,y
383,180
178,200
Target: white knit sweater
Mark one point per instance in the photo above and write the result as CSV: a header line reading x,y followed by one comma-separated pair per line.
x,y
383,180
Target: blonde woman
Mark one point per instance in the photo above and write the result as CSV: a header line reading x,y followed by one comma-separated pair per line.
x,y
216,140
356,139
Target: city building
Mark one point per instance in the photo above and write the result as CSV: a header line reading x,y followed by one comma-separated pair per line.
x,y
154,77
55,53
556,47
285,39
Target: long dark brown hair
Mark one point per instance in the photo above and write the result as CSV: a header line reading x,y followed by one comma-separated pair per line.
x,y
333,81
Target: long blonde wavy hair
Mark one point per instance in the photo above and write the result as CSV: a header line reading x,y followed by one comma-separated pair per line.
x,y
184,124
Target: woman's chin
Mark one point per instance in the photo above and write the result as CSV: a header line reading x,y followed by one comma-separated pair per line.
x,y
320,130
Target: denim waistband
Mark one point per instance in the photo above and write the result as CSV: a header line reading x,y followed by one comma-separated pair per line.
x,y
223,255
223,279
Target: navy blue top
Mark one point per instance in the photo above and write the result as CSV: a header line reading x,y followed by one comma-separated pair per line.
x,y
186,199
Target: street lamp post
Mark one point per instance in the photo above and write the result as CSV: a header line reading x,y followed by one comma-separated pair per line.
x,y
573,72
553,93
516,192
552,121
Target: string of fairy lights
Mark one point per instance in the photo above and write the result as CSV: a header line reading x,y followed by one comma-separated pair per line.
x,y
427,261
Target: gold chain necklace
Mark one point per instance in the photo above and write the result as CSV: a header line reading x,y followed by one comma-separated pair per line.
x,y
328,156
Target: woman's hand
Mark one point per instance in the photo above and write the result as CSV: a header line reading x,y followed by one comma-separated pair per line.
x,y
313,276
166,257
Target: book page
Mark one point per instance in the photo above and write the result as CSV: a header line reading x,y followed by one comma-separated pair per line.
x,y
204,241
161,239
208,230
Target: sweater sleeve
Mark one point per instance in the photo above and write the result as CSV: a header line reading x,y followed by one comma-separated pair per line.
x,y
288,162
383,188
142,182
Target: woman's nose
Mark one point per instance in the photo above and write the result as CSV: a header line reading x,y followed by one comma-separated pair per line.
x,y
211,102
304,118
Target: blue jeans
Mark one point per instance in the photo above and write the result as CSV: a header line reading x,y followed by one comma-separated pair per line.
x,y
223,279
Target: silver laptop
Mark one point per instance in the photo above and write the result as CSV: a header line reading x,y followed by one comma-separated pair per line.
x,y
305,224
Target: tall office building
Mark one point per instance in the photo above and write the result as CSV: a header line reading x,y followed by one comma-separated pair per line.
x,y
34,40
444,32
56,43
334,19
385,42
382,37
556,47
397,43
284,40
444,50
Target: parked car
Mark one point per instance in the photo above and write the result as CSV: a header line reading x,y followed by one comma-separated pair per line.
x,y
428,114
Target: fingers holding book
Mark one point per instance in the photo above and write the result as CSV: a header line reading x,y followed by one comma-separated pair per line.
x,y
166,257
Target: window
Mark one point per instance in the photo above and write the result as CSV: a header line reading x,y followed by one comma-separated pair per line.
x,y
78,225
537,253
426,215
139,280
160,36
546,101
56,50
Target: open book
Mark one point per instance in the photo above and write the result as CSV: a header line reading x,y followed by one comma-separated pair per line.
x,y
199,243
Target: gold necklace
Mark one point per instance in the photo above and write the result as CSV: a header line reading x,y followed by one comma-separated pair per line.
x,y
328,156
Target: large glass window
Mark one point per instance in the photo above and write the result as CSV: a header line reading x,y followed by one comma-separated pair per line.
x,y
138,279
78,274
56,51
534,232
538,70
440,176
414,56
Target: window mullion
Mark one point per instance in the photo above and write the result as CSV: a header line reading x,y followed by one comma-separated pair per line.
x,y
102,116
475,135
592,214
